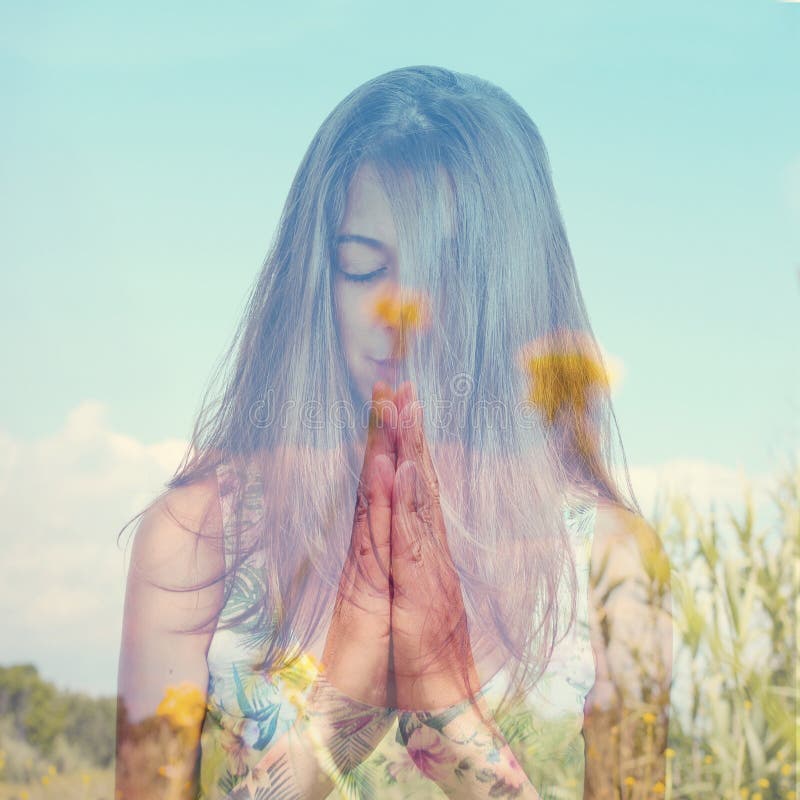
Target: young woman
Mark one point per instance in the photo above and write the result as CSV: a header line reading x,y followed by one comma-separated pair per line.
x,y
493,619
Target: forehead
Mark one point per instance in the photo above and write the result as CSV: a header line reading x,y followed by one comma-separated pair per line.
x,y
368,212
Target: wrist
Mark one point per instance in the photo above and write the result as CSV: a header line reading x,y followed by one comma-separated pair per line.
x,y
341,730
462,749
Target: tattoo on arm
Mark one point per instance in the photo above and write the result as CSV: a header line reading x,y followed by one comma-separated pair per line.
x,y
332,735
464,752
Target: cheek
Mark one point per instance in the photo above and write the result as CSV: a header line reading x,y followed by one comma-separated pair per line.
x,y
351,316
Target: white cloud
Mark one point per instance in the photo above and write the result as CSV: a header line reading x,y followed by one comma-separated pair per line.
x,y
64,499
705,483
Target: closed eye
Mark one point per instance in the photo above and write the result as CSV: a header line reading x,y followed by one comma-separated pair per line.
x,y
362,277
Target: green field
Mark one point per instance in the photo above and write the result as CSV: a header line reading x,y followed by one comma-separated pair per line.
x,y
83,785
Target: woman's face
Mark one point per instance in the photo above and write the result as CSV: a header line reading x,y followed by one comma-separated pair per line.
x,y
366,270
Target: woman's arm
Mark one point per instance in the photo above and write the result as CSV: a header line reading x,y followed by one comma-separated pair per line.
x,y
464,752
333,734
163,674
626,715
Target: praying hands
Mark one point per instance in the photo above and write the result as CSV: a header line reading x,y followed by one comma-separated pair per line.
x,y
398,641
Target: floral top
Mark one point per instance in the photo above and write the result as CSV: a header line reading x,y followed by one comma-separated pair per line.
x,y
247,710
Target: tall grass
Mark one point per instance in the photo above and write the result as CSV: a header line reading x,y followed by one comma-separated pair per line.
x,y
735,582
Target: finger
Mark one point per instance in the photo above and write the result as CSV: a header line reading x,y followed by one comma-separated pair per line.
x,y
412,446
370,552
375,481
366,571
407,551
404,393
425,582
381,431
364,582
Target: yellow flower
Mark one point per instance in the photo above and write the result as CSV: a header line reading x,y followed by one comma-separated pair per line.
x,y
786,769
563,372
183,705
748,705
744,793
708,759
757,796
86,777
45,780
669,753
648,717
24,795
790,795
299,675
630,780
405,313
659,787
51,770
763,783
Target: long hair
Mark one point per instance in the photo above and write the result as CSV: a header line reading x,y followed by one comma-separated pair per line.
x,y
512,430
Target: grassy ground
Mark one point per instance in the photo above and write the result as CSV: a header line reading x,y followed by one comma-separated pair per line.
x,y
84,785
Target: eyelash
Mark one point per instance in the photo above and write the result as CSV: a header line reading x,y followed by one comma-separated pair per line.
x,y
365,278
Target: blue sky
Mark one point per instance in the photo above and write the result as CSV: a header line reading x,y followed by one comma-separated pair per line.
x,y
145,155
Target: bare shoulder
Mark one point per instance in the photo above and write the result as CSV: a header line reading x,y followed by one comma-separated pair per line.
x,y
173,596
629,608
626,546
183,526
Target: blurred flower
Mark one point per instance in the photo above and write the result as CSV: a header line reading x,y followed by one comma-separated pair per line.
x,y
763,783
404,313
649,718
659,787
183,705
565,377
630,780
669,753
300,673
563,372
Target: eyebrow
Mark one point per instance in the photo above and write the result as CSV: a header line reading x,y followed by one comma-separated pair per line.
x,y
345,238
